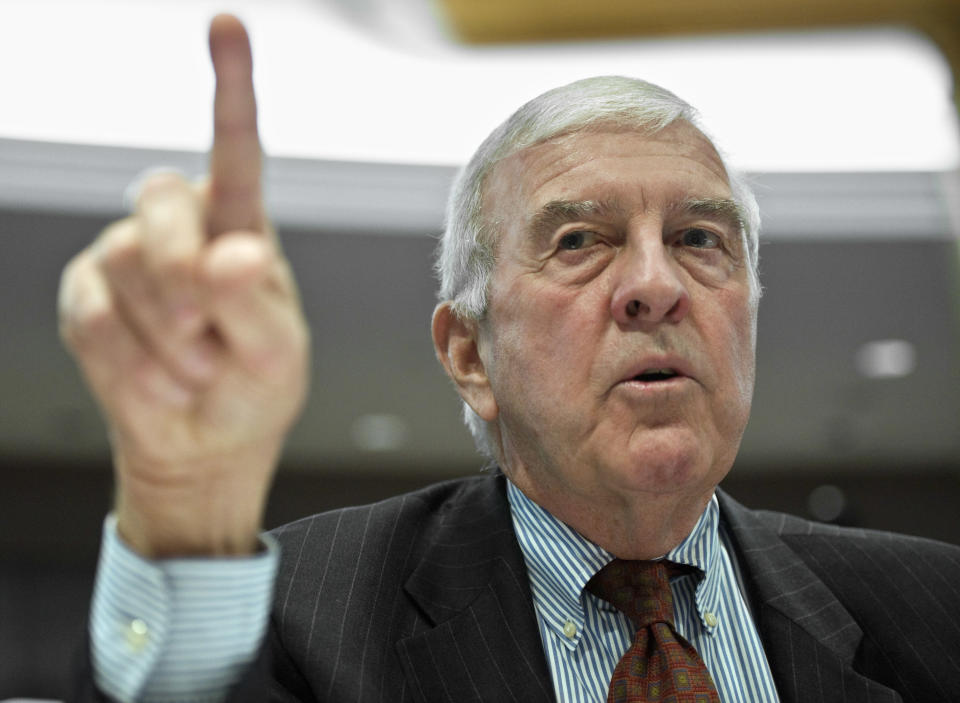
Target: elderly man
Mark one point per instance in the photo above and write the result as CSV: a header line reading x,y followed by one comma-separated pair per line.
x,y
598,314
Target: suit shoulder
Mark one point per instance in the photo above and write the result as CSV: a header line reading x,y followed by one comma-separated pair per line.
x,y
893,595
418,510
873,549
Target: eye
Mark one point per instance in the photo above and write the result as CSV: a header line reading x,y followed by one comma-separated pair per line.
x,y
700,239
578,239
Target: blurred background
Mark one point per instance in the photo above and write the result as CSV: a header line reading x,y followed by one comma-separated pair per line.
x,y
843,112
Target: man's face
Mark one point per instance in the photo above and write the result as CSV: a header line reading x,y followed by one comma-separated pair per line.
x,y
619,340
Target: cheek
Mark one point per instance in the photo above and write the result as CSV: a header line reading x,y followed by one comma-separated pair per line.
x,y
534,313
545,342
742,363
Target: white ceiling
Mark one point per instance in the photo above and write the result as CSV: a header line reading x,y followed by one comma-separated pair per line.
x,y
358,85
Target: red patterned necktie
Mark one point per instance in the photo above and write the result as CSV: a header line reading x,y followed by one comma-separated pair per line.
x,y
660,664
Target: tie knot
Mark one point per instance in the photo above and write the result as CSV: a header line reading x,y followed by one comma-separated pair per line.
x,y
639,589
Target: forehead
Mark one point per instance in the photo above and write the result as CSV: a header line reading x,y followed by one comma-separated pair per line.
x,y
636,169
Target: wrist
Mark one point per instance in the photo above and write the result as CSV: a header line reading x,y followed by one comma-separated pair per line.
x,y
211,508
171,533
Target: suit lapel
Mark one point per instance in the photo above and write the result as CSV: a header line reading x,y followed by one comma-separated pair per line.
x,y
809,637
483,643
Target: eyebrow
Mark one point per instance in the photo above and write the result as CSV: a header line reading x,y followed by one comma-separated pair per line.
x,y
724,210
545,221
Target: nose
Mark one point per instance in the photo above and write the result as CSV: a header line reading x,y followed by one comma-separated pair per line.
x,y
648,288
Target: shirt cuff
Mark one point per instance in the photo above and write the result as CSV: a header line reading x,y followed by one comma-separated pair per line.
x,y
176,629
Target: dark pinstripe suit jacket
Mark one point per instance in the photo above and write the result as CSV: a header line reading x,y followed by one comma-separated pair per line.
x,y
425,597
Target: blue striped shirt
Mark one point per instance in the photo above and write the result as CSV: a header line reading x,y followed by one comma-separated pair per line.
x,y
176,629
584,636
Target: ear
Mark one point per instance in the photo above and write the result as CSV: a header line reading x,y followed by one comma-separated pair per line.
x,y
457,343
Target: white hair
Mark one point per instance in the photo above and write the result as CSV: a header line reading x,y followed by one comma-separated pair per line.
x,y
466,254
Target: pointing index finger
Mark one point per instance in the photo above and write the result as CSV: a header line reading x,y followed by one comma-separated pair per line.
x,y
235,200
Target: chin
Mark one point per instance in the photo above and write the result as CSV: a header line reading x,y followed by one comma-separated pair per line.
x,y
666,464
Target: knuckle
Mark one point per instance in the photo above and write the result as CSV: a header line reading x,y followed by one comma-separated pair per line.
x,y
119,245
239,191
287,356
235,263
301,343
173,264
271,362
68,282
83,310
86,326
157,183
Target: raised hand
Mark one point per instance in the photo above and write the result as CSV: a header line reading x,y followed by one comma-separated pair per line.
x,y
185,320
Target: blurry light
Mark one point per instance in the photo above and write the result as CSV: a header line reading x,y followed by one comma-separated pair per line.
x,y
136,74
886,358
827,503
379,432
412,24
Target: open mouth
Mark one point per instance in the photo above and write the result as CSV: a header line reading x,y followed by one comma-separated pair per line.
x,y
655,375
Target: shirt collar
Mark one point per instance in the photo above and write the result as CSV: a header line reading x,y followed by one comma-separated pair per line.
x,y
701,550
560,561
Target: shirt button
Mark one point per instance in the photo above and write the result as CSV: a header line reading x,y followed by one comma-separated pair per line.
x,y
710,619
569,629
137,634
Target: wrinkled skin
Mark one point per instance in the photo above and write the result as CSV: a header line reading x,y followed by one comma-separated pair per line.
x,y
581,302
